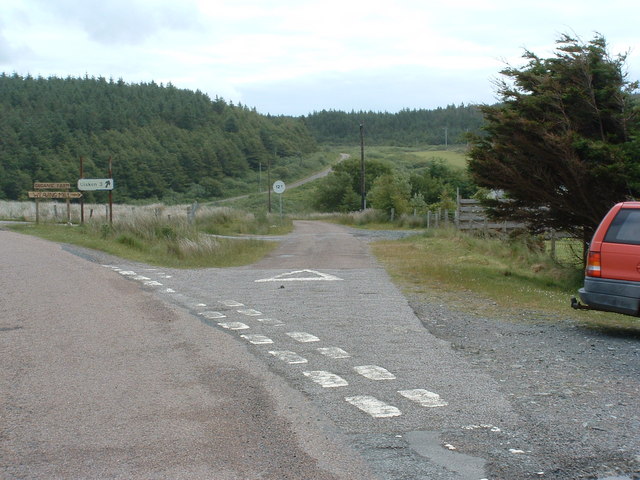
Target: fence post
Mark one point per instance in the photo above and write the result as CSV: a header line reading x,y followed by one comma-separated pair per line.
x,y
552,234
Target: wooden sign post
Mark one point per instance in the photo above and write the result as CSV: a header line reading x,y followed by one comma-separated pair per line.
x,y
38,194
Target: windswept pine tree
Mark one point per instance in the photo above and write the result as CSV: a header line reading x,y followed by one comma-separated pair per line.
x,y
564,142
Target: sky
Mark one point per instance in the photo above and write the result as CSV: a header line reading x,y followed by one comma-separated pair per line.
x,y
296,57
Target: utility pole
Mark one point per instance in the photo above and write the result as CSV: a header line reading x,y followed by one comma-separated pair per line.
x,y
363,202
269,181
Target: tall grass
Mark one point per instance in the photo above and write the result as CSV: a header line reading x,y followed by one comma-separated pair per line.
x,y
160,235
515,278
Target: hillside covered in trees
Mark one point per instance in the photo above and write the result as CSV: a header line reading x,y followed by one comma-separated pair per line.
x,y
173,145
406,128
163,140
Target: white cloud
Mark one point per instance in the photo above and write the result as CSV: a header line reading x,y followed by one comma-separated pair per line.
x,y
257,52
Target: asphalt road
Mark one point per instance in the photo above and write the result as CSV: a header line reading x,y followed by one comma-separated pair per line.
x,y
101,379
309,365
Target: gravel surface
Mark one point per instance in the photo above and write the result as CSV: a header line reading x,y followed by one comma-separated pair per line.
x,y
576,391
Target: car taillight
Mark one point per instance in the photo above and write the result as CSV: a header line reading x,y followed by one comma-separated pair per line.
x,y
593,265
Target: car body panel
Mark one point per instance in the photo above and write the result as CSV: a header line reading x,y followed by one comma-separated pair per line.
x,y
614,284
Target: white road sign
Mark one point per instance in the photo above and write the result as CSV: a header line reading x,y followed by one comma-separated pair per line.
x,y
95,184
279,186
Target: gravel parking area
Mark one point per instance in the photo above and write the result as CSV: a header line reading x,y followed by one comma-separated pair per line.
x,y
576,391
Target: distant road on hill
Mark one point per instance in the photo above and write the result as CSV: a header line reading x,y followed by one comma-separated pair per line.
x,y
315,176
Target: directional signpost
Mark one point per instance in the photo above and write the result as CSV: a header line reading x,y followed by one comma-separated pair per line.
x,y
67,195
95,184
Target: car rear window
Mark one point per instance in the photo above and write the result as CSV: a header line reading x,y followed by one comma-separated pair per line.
x,y
625,228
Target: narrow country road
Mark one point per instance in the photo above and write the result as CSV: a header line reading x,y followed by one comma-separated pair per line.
x,y
100,379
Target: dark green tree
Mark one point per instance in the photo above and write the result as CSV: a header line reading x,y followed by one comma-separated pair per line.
x,y
340,190
562,143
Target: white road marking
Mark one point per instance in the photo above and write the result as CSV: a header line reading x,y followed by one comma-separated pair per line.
x,y
483,426
127,273
326,379
212,315
373,406
257,339
141,278
170,290
273,322
303,337
424,397
296,276
231,303
250,312
334,352
153,283
373,372
289,357
200,305
234,325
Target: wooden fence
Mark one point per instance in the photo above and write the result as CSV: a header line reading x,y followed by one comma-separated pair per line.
x,y
471,215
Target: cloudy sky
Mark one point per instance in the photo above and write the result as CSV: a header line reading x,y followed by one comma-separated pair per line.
x,y
295,57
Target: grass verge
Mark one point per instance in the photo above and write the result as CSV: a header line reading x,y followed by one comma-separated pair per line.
x,y
155,242
491,277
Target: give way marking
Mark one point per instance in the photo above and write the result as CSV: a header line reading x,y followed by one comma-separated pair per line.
x,y
301,276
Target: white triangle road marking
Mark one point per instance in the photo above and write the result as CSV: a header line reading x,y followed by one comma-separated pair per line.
x,y
301,276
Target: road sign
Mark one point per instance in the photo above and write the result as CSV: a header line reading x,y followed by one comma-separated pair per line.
x,y
50,186
55,194
279,186
87,184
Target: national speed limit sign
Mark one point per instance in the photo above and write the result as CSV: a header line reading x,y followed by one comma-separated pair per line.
x,y
279,186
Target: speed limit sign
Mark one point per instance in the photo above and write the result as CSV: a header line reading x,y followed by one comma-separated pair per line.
x,y
279,186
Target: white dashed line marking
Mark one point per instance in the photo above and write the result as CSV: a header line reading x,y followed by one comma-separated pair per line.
x,y
250,312
373,406
373,372
153,283
289,357
303,337
326,379
272,322
141,278
234,325
334,352
170,290
424,397
127,273
212,315
257,339
231,303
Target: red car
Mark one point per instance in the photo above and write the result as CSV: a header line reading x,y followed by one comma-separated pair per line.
x,y
612,276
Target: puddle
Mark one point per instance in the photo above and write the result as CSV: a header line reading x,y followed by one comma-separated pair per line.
x,y
427,444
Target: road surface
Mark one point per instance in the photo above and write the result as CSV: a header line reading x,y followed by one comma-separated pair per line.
x,y
309,364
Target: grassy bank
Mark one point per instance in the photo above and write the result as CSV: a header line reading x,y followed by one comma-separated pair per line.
x,y
493,277
169,241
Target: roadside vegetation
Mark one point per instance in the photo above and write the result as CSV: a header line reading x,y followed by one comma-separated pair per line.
x,y
513,278
168,237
